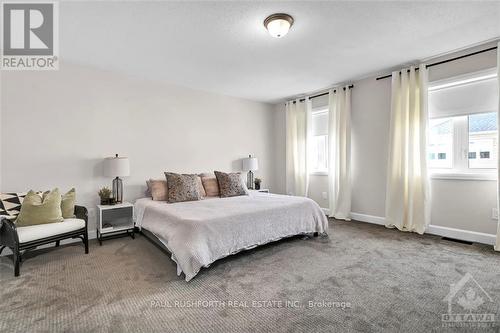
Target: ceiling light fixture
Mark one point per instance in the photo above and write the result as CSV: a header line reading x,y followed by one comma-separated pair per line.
x,y
278,24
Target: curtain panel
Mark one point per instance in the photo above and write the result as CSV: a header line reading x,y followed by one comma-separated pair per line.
x,y
298,133
339,153
497,244
407,204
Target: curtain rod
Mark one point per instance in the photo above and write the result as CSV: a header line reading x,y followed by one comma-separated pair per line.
x,y
322,94
445,61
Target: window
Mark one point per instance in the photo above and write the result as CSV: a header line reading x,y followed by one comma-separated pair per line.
x,y
319,145
463,133
483,141
441,143
319,153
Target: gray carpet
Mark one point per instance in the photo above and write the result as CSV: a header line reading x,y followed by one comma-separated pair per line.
x,y
388,280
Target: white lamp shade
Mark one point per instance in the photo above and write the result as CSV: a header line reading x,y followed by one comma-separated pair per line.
x,y
116,167
250,164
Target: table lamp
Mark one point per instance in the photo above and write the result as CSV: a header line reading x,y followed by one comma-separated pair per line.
x,y
117,166
250,164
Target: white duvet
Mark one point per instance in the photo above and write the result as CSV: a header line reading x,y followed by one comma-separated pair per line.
x,y
197,233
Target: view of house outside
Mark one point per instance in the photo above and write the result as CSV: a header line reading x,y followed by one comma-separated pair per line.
x,y
482,148
483,141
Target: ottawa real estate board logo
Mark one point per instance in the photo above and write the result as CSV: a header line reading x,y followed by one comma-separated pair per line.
x,y
30,36
469,306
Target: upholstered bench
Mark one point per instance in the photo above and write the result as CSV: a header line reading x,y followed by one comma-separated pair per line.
x,y
25,238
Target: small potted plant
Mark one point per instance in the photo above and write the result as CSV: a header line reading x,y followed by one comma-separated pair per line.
x,y
105,195
257,183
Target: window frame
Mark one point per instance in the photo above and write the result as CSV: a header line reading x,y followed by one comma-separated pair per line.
x,y
460,167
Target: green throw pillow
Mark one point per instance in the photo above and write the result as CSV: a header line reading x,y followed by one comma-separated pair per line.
x,y
37,210
67,203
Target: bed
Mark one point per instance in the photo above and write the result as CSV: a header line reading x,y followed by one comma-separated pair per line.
x,y
197,233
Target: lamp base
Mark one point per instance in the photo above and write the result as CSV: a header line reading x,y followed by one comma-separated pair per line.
x,y
118,190
250,180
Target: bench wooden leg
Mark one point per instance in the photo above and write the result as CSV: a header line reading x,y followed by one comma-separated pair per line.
x,y
86,242
16,260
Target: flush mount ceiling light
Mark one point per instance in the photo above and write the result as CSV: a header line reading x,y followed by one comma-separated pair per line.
x,y
278,24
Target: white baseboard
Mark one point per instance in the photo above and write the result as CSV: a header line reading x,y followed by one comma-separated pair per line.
x,y
466,235
368,218
92,235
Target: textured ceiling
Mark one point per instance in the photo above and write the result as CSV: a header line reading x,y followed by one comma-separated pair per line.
x,y
223,47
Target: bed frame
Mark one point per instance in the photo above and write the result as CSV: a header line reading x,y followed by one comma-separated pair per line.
x,y
153,239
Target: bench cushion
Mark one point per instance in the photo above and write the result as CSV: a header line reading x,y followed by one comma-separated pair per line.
x,y
34,232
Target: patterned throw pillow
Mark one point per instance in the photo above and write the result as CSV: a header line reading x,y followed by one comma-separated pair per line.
x,y
182,187
10,204
230,184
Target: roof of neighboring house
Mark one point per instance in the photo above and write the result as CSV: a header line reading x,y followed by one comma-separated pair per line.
x,y
444,126
481,122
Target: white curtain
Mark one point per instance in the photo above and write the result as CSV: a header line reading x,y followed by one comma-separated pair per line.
x,y
298,132
497,245
339,153
407,205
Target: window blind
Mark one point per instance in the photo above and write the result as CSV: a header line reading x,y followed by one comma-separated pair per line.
x,y
462,96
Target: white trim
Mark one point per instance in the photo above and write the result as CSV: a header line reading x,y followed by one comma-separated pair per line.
x,y
92,235
318,173
319,110
466,235
464,176
368,218
461,80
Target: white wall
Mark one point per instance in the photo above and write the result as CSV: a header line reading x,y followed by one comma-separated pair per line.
x,y
57,126
455,203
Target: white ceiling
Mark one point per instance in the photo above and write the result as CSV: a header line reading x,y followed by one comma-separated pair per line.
x,y
223,47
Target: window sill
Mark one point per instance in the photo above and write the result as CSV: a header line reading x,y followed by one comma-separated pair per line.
x,y
464,176
319,173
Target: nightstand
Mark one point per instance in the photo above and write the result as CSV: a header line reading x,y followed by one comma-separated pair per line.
x,y
262,190
115,221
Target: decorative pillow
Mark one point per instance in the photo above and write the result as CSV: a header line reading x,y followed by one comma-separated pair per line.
x,y
200,187
230,184
10,204
158,189
182,187
68,204
210,184
38,210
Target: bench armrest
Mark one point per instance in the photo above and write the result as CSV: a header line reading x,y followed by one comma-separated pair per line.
x,y
8,233
81,213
